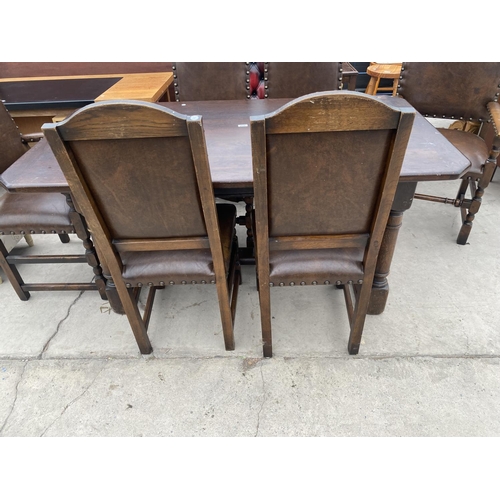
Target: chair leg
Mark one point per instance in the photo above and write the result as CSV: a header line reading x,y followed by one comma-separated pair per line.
x,y
12,273
265,319
64,238
135,320
359,316
468,215
482,183
462,190
225,314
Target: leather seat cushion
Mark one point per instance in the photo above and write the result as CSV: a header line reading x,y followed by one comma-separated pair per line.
x,y
320,265
34,212
470,145
180,265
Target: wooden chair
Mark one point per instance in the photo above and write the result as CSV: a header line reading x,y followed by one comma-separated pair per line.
x,y
38,213
381,71
460,91
210,81
294,79
326,167
140,175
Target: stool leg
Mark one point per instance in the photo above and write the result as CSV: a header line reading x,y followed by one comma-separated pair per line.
x,y
395,86
371,89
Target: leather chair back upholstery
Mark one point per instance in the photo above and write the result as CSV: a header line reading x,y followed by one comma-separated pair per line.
x,y
294,79
341,171
208,81
132,179
453,90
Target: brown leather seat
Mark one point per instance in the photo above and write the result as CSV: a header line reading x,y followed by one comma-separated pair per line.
x,y
34,213
466,92
326,167
316,266
38,213
472,146
140,175
180,267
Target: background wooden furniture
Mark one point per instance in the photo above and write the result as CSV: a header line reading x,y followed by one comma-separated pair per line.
x,y
39,213
349,76
346,150
141,178
464,91
429,157
33,101
380,71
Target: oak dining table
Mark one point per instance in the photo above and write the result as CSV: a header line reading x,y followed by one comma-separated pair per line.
x,y
429,157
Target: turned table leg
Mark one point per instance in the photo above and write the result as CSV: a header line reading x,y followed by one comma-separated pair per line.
x,y
380,287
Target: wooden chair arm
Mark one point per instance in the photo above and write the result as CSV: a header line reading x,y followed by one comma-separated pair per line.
x,y
494,109
34,137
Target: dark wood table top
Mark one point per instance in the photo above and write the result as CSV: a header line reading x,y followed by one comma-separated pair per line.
x,y
429,155
53,94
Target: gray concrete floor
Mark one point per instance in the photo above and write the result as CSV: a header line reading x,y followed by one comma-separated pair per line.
x,y
428,366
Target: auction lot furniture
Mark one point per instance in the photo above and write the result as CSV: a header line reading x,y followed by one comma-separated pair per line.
x,y
429,157
33,101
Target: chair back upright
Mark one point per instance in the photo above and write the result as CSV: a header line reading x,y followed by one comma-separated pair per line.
x,y
452,90
11,145
210,81
326,168
295,79
139,173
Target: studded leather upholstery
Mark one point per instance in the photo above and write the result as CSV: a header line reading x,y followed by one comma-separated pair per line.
x,y
471,145
208,81
450,90
34,213
293,79
183,266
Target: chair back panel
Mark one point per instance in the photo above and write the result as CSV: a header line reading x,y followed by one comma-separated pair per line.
x,y
294,79
338,171
457,90
134,178
11,145
210,81
136,163
331,177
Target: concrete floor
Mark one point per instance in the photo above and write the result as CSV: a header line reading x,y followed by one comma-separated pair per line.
x,y
428,366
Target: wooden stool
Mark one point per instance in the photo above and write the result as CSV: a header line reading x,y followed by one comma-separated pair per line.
x,y
377,71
